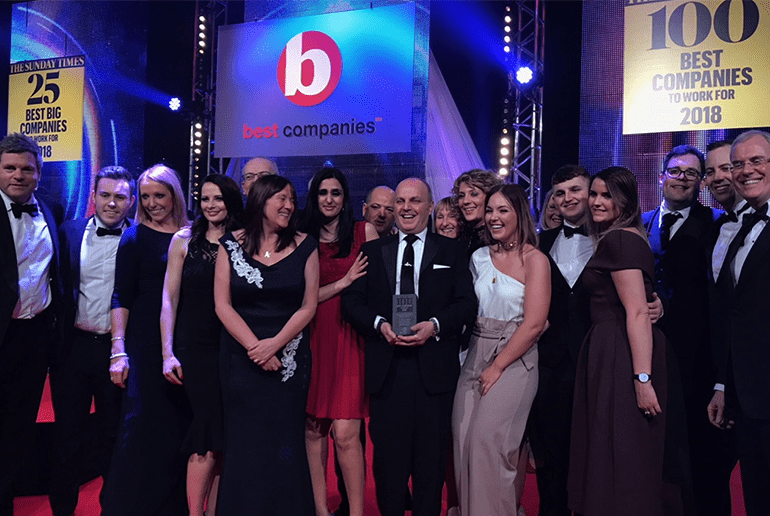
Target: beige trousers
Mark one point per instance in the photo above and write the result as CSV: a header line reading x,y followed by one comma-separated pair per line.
x,y
488,430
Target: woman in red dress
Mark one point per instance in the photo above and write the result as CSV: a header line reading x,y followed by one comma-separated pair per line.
x,y
336,401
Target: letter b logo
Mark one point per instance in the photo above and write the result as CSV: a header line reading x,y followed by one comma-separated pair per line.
x,y
310,68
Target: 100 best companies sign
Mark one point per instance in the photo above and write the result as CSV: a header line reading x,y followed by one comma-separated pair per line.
x,y
338,83
693,65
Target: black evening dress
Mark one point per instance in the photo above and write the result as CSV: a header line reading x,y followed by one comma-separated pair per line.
x,y
616,455
265,468
196,346
147,471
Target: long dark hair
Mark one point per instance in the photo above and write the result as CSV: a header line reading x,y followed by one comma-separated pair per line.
x,y
231,195
624,191
312,220
525,224
263,189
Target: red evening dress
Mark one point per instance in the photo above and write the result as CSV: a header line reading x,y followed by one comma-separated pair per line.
x,y
337,383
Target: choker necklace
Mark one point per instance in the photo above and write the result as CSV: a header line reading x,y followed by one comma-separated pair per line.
x,y
267,254
508,246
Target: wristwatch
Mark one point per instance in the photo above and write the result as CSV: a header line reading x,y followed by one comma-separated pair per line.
x,y
642,377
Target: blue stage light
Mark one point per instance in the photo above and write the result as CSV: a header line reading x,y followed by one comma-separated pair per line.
x,y
174,104
524,74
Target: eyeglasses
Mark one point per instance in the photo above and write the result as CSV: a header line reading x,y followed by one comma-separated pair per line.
x,y
690,174
254,177
756,162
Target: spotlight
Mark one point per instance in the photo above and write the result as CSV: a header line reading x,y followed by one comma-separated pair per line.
x,y
504,151
506,49
201,18
503,161
202,26
507,29
198,134
504,141
507,38
197,143
202,35
507,19
524,74
174,104
197,151
202,43
503,171
198,125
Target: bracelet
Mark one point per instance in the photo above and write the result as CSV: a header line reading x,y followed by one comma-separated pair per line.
x,y
113,339
118,355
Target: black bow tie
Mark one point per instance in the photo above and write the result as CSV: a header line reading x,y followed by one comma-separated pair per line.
x,y
18,209
569,232
104,232
731,216
751,219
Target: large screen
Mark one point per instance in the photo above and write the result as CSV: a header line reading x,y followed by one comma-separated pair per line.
x,y
330,84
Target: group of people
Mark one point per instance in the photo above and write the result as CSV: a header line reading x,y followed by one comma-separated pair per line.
x,y
223,353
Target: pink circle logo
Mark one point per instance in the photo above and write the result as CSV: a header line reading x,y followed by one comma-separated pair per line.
x,y
310,68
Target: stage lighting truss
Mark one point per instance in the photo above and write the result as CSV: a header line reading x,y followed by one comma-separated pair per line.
x,y
521,138
209,15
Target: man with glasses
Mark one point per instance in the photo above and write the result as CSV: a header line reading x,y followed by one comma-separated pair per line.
x,y
679,231
254,169
744,285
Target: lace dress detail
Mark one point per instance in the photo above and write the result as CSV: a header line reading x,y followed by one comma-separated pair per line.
x,y
243,269
289,365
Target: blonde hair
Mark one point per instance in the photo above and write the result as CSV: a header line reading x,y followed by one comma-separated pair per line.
x,y
167,177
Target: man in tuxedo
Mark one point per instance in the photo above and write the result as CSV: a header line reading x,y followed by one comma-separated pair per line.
x,y
81,371
568,249
719,181
745,283
29,299
679,231
254,169
411,378
379,209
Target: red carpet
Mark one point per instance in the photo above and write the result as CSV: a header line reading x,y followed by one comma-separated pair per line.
x,y
89,493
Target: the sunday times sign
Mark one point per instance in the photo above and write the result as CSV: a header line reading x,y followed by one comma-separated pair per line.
x,y
338,83
693,65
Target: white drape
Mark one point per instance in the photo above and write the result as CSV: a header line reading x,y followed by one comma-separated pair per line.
x,y
449,148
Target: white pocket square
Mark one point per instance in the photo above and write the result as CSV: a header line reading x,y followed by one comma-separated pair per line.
x,y
439,266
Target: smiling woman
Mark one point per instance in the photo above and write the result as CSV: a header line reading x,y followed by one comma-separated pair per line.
x,y
265,294
336,399
470,190
155,414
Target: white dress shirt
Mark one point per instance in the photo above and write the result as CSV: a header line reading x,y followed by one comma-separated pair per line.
x,y
34,251
726,234
97,278
419,246
748,243
685,212
571,254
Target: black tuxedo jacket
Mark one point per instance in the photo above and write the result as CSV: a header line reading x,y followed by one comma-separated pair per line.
x,y
747,338
569,314
9,290
681,281
445,292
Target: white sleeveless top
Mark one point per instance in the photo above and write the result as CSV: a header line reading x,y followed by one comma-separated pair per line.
x,y
500,296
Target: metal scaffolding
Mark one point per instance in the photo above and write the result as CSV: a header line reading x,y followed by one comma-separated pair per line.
x,y
209,15
523,110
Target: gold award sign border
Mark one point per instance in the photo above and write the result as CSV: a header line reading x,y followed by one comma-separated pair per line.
x,y
695,65
45,102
